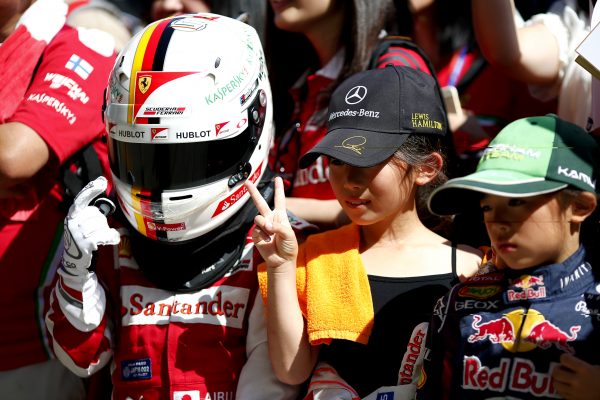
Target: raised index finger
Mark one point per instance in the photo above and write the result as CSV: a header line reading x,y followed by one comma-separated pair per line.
x,y
87,194
279,194
259,201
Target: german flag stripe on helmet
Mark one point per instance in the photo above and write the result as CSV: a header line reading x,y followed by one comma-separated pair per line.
x,y
139,218
149,56
143,201
158,61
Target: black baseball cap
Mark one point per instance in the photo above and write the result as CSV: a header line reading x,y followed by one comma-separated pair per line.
x,y
372,113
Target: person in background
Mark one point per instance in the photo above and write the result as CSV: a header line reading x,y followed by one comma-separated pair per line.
x,y
54,77
105,16
170,303
358,299
481,98
169,8
529,330
539,52
325,42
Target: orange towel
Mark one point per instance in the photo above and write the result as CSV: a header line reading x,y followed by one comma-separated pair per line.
x,y
333,287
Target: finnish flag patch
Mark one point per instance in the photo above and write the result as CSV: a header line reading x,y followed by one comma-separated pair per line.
x,y
79,66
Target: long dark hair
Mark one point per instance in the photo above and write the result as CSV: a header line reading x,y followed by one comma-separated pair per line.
x,y
290,54
415,152
364,22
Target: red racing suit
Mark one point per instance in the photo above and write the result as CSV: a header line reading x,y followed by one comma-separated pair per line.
x,y
208,344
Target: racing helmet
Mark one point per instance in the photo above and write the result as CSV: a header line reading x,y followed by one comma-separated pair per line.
x,y
189,118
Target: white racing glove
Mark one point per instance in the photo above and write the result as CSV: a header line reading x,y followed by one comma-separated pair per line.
x,y
79,294
85,229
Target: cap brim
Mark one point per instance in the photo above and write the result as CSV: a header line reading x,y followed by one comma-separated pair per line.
x,y
356,147
462,194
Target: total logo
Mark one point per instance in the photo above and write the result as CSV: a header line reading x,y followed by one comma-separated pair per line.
x,y
535,331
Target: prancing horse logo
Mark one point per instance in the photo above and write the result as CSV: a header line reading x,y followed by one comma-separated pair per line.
x,y
356,95
144,82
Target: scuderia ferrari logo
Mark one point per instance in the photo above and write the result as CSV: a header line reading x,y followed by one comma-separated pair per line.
x,y
144,82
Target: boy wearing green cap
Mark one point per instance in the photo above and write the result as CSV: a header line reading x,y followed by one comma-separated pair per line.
x,y
531,329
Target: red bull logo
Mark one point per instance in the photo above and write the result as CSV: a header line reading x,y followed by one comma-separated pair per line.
x,y
496,331
529,287
527,281
518,331
535,332
545,334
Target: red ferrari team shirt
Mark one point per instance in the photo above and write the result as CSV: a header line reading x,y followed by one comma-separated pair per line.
x,y
63,105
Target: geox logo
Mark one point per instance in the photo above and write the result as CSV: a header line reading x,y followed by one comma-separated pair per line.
x,y
580,176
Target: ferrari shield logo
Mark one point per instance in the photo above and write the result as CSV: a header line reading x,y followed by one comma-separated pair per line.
x,y
144,82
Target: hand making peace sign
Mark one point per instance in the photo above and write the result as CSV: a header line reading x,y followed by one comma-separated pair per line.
x,y
273,235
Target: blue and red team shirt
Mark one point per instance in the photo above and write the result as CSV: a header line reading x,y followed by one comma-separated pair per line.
x,y
63,105
500,335
311,95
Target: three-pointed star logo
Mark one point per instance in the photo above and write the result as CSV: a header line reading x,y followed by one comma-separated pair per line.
x,y
356,95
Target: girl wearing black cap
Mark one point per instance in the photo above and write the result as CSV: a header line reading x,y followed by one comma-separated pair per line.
x,y
315,46
358,299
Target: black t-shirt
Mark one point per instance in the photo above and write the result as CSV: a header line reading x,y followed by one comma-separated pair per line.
x,y
400,304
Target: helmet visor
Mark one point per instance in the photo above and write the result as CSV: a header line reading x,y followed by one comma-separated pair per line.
x,y
170,166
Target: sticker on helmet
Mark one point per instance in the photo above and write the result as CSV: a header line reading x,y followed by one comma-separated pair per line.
x,y
144,82
188,24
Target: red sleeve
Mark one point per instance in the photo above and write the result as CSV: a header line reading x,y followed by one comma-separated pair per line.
x,y
64,101
84,345
403,56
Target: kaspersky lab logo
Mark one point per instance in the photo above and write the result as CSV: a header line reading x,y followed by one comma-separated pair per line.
x,y
523,330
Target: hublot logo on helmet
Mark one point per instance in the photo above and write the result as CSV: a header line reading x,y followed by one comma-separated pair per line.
x,y
192,134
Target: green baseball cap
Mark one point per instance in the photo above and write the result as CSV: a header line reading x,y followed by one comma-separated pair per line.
x,y
529,157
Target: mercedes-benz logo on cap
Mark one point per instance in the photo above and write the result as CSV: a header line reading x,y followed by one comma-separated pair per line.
x,y
356,95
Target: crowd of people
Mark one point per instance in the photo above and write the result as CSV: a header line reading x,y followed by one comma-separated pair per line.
x,y
298,199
